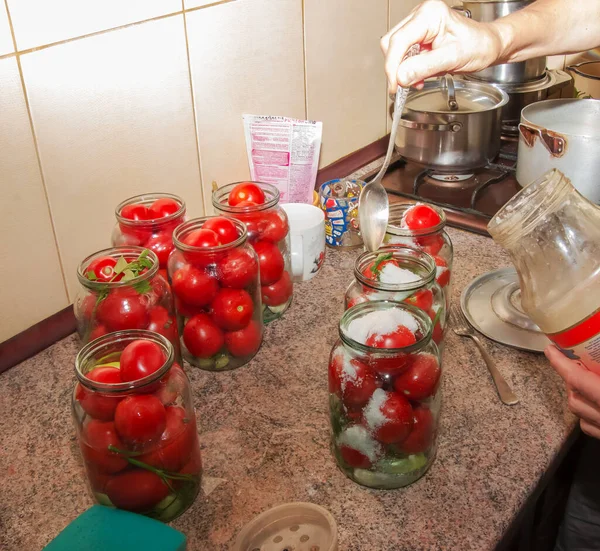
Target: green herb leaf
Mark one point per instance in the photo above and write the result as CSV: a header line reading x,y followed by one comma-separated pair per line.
x,y
142,287
91,276
121,266
128,275
378,261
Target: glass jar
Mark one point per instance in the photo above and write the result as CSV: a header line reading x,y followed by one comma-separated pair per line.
x,y
268,233
552,234
217,299
143,302
138,439
434,241
384,402
154,234
373,281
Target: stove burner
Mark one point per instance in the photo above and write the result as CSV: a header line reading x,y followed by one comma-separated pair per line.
x,y
451,177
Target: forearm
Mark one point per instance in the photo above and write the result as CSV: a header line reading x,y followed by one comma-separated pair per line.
x,y
548,27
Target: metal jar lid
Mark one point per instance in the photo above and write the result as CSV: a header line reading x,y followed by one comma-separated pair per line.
x,y
471,97
292,526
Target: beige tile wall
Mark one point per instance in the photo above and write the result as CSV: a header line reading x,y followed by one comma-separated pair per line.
x,y
102,100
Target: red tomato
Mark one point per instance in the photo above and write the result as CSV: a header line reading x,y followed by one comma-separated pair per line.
x,y
171,386
97,478
162,323
421,378
223,227
103,269
421,217
194,465
279,292
244,342
97,332
357,447
96,438
431,244
232,309
123,309
400,338
202,337
251,220
368,271
99,406
176,442
247,204
354,380
422,299
161,245
421,435
140,419
390,416
356,300
246,191
273,226
194,286
85,307
136,211
163,207
164,274
202,238
438,333
442,271
187,310
137,490
270,261
238,269
141,358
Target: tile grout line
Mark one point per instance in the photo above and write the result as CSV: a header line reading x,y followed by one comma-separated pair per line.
x,y
193,99
304,60
38,157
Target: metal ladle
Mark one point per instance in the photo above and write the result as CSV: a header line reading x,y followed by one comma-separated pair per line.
x,y
373,205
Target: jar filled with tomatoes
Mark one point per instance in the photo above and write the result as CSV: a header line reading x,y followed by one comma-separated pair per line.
x,y
401,274
148,221
214,277
122,288
384,397
136,426
422,226
257,205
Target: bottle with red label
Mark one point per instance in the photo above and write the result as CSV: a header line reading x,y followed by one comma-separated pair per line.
x,y
552,234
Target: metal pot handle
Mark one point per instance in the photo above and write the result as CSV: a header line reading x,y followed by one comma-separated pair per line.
x,y
553,142
462,10
575,69
447,83
449,127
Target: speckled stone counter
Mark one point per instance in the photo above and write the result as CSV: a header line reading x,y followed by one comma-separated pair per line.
x,y
265,436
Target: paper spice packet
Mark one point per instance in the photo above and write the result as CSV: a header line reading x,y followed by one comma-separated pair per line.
x,y
284,152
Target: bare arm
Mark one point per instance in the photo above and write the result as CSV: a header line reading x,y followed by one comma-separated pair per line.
x,y
456,44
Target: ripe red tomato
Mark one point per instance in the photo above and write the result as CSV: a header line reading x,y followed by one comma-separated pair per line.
x,y
163,207
246,191
99,406
137,490
163,324
176,442
438,333
442,271
194,465
247,204
279,292
244,342
103,269
137,211
354,380
194,286
270,261
97,436
422,299
202,238
390,416
356,300
238,269
370,274
123,309
140,419
421,217
273,226
141,358
161,245
202,337
400,338
251,220
431,244
172,386
97,332
223,227
421,378
187,310
232,309
357,447
421,435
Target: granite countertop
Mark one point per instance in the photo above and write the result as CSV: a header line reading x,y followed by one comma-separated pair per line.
x,y
265,436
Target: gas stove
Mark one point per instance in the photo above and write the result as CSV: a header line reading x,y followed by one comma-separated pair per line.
x,y
469,200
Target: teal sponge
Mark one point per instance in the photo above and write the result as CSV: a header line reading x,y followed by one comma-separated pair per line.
x,y
104,528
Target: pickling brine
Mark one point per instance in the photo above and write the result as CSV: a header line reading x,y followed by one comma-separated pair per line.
x,y
552,234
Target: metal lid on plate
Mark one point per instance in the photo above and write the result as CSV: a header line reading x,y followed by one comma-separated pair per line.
x,y
492,304
292,526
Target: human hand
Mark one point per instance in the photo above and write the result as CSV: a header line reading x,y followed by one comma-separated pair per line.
x,y
583,389
450,43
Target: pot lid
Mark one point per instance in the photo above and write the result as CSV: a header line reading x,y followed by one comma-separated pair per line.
x,y
471,97
549,79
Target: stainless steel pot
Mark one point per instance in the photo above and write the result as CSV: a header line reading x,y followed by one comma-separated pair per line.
x,y
562,134
487,11
586,76
450,140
